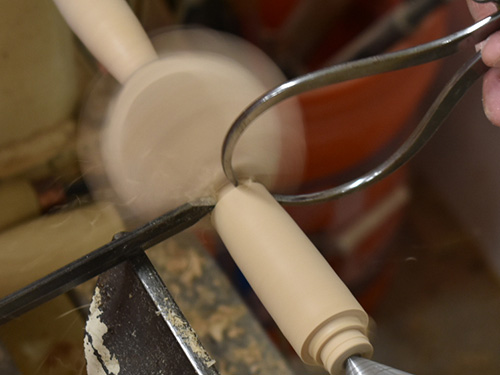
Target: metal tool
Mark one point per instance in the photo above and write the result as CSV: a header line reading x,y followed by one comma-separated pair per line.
x,y
122,248
445,102
363,366
183,217
131,245
146,330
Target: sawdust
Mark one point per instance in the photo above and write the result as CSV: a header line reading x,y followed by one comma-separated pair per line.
x,y
186,265
219,317
250,355
223,321
194,268
209,294
189,337
219,325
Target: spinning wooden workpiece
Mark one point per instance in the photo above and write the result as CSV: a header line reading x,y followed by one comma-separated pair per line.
x,y
161,148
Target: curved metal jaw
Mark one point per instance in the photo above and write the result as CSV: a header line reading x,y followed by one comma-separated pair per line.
x,y
421,54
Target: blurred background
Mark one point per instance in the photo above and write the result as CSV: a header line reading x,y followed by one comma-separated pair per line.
x,y
419,249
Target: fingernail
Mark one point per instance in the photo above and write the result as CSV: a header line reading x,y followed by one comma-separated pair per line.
x,y
481,45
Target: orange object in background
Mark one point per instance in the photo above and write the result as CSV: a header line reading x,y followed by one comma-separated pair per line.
x,y
347,123
348,127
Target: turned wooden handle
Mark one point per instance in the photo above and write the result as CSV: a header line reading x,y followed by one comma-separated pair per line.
x,y
111,32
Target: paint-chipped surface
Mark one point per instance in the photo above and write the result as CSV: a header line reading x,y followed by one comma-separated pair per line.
x,y
131,305
100,361
227,330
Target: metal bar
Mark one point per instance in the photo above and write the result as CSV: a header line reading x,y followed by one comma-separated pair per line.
x,y
414,56
100,260
201,361
470,72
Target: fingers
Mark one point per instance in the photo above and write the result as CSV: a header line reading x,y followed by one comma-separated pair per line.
x,y
491,95
479,11
490,50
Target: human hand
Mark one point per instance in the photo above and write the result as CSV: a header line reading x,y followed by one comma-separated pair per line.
x,y
490,50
